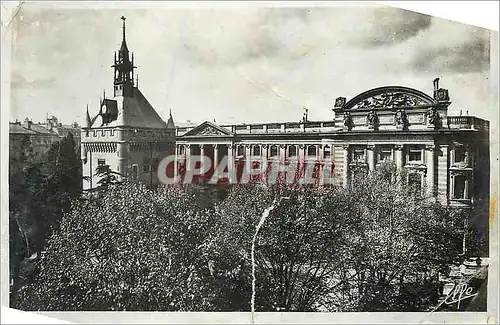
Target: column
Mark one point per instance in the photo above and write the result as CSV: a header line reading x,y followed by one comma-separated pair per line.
x,y
370,156
282,152
230,161
202,154
188,157
442,174
176,162
320,158
430,177
345,162
398,157
216,156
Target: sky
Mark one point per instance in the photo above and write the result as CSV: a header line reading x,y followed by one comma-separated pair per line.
x,y
242,64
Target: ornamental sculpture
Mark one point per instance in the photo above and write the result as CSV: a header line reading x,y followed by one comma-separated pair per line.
x,y
348,122
389,100
340,102
210,131
433,117
372,120
401,119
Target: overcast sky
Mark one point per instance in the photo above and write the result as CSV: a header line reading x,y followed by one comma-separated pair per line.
x,y
242,64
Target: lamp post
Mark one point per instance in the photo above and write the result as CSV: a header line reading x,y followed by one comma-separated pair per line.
x,y
265,214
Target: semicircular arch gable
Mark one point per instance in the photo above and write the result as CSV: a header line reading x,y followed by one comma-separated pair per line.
x,y
389,97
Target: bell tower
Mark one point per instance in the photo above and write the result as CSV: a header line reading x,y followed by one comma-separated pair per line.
x,y
124,70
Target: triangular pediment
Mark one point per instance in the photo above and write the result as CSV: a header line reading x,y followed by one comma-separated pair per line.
x,y
208,129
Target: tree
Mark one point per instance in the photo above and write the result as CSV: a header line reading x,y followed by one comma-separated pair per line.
x,y
131,248
41,188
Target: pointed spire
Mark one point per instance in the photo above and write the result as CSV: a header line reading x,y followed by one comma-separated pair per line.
x,y
137,81
123,18
124,43
170,122
104,93
88,119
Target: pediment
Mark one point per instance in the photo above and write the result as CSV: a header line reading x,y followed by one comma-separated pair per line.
x,y
390,97
208,129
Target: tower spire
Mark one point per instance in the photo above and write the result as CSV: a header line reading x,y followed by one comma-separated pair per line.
x,y
123,18
124,69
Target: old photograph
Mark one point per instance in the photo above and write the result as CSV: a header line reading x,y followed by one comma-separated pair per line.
x,y
250,158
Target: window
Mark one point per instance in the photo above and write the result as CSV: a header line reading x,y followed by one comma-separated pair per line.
x,y
135,172
256,150
311,151
460,155
101,162
182,150
103,133
292,151
112,133
385,154
327,153
87,133
95,133
415,182
414,155
145,168
459,187
155,164
241,150
274,151
358,155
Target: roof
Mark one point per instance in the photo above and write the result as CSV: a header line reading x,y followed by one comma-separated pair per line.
x,y
17,128
135,111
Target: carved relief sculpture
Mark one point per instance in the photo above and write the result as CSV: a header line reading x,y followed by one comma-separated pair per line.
x,y
401,119
372,120
390,100
210,131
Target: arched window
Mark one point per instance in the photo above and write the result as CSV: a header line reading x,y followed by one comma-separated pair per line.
x,y
292,151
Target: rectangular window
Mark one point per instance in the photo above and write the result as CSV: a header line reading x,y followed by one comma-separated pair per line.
x,y
459,187
327,153
311,151
460,155
87,133
241,150
256,150
182,150
385,154
358,155
292,151
145,168
414,155
274,151
95,133
112,133
135,172
103,133
101,162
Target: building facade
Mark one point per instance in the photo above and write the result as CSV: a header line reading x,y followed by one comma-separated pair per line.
x,y
447,156
127,134
41,135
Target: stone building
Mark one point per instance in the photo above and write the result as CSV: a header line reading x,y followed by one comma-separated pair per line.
x,y
127,134
445,156
41,135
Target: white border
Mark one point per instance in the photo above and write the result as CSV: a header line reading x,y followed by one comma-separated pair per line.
x,y
479,13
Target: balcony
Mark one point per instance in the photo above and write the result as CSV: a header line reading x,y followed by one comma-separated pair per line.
x,y
467,123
